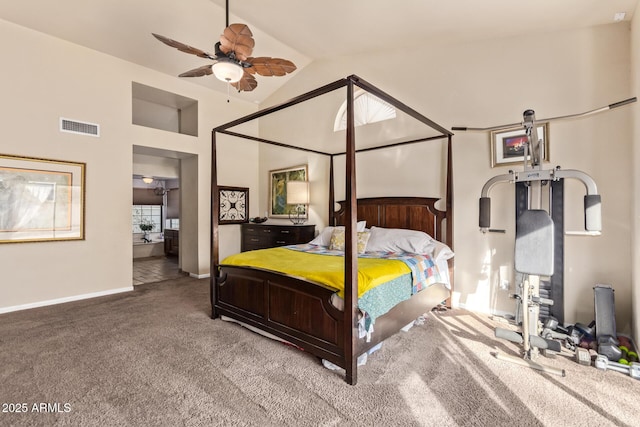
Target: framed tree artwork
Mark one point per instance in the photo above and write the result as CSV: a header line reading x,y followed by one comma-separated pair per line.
x,y
278,179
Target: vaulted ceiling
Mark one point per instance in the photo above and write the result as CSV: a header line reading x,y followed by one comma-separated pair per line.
x,y
299,30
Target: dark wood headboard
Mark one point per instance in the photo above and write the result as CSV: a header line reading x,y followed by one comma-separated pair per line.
x,y
413,213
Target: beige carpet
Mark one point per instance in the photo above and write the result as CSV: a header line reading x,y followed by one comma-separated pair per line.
x,y
154,357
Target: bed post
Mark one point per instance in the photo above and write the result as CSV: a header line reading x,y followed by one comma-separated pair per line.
x,y
215,254
332,196
449,214
351,253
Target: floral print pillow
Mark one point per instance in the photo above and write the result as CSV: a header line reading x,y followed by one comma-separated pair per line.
x,y
337,240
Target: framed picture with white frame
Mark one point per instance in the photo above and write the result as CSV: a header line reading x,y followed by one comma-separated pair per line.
x,y
507,145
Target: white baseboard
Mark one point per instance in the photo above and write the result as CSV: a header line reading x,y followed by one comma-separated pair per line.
x,y
199,276
63,300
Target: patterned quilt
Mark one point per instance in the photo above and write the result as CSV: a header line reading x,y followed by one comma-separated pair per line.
x,y
424,271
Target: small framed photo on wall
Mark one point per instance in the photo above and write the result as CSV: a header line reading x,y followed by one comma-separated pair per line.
x,y
507,145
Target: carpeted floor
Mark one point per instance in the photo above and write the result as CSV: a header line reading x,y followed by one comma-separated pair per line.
x,y
153,357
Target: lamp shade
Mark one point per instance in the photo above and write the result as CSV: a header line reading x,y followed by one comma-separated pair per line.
x,y
297,192
227,71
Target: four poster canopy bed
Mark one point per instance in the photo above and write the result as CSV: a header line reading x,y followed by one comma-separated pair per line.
x,y
315,295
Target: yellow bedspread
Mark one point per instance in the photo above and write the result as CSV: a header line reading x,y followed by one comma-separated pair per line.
x,y
325,269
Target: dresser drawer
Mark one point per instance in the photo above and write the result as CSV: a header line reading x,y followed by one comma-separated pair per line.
x,y
257,236
250,229
285,236
255,240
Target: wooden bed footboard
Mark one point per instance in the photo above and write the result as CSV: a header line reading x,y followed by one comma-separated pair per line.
x,y
301,312
293,309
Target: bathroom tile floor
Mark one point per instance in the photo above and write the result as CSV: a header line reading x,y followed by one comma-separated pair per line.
x,y
155,269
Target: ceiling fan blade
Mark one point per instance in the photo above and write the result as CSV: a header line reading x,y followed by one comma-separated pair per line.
x,y
267,66
247,83
183,47
237,38
205,70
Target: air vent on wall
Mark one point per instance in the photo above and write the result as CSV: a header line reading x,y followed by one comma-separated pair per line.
x,y
83,128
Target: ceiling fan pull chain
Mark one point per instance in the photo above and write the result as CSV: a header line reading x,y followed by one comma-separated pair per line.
x,y
228,84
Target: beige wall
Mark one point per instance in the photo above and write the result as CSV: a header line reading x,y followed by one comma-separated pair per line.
x,y
237,167
49,78
635,158
492,82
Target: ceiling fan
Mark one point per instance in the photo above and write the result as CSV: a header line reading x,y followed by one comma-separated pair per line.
x,y
233,62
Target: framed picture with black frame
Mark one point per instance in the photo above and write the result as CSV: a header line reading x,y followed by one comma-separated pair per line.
x,y
234,205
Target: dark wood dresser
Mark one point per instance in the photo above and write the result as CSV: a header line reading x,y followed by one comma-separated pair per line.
x,y
262,236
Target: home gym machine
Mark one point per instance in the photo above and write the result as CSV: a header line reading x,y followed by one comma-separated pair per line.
x,y
539,240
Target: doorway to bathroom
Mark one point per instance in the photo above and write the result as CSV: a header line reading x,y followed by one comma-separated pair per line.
x,y
156,216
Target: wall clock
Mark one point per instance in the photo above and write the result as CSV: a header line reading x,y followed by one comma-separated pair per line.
x,y
234,205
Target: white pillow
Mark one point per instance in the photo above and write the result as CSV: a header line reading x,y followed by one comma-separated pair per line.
x,y
324,238
442,252
411,241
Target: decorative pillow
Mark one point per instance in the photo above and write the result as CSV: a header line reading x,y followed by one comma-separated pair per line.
x,y
338,238
324,238
411,241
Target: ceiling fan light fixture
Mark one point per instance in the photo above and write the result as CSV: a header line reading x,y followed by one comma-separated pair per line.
x,y
227,71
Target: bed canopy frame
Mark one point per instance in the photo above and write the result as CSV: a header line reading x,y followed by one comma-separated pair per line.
x,y
349,207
